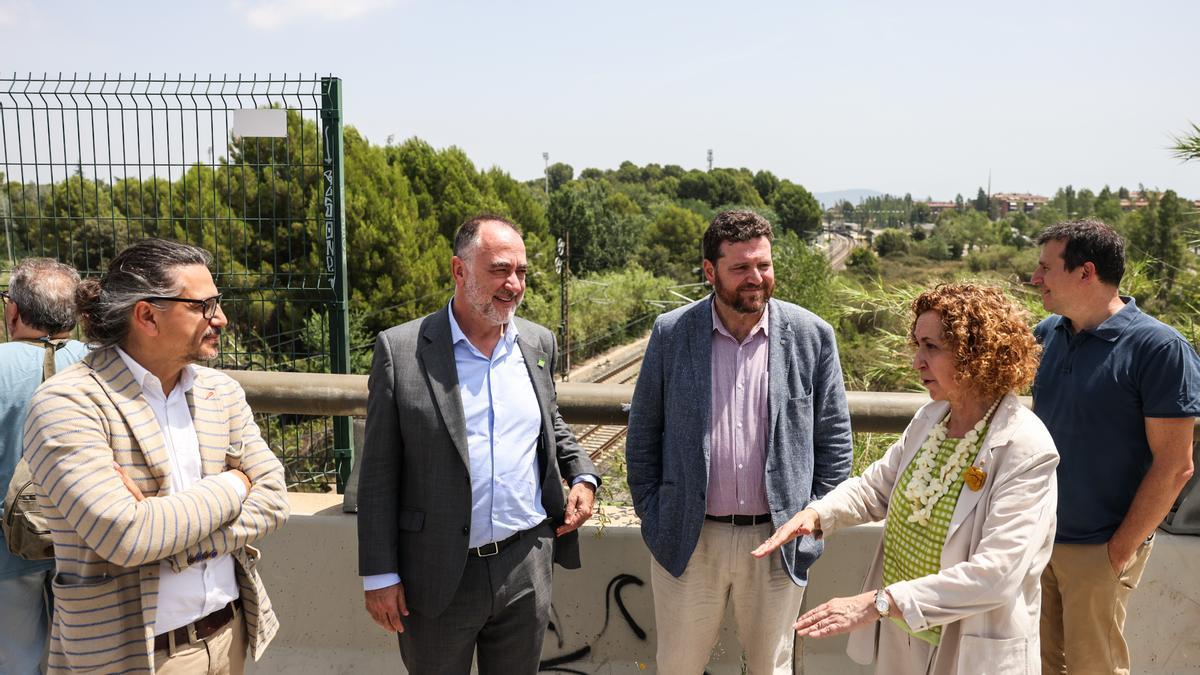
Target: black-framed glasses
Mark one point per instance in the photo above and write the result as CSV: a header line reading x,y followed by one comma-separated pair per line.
x,y
4,297
207,305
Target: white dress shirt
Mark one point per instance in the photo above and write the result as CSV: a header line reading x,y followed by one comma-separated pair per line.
x,y
204,587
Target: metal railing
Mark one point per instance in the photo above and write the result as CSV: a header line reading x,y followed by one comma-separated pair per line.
x,y
580,403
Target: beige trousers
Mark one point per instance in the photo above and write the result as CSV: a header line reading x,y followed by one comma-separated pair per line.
x,y
688,611
222,653
1083,609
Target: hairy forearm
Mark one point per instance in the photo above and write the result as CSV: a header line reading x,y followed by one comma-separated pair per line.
x,y
1151,503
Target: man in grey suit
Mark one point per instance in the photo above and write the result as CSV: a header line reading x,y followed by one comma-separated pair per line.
x,y
461,504
739,419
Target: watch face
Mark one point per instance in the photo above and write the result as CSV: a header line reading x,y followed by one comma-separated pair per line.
x,y
881,603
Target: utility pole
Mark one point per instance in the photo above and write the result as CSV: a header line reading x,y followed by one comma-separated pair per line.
x,y
546,174
562,265
710,160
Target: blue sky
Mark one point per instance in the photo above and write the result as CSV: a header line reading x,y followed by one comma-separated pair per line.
x,y
920,97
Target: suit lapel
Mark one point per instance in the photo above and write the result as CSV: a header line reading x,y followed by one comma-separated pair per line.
x,y
779,354
1001,430
436,354
536,361
202,399
114,377
700,333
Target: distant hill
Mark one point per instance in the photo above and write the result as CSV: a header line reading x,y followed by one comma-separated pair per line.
x,y
828,199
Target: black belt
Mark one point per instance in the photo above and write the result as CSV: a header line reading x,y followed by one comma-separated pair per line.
x,y
740,519
494,548
203,627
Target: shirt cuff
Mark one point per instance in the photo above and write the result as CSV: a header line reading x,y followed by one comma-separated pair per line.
x,y
234,483
594,481
374,582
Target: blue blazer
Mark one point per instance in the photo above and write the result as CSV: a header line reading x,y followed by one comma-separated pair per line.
x,y
809,448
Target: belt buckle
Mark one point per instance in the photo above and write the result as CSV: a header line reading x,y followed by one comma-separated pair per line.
x,y
495,550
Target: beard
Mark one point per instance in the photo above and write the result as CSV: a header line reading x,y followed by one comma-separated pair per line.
x,y
734,297
204,351
480,300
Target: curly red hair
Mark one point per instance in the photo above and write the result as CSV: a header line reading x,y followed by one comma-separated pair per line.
x,y
988,333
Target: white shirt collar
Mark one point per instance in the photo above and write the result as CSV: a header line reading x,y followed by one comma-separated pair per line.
x,y
149,382
457,335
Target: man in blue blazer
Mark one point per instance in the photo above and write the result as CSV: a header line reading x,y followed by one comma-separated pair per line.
x,y
739,419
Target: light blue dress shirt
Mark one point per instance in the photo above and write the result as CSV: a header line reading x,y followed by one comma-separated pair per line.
x,y
503,424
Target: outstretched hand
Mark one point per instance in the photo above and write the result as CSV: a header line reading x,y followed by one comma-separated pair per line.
x,y
839,615
805,522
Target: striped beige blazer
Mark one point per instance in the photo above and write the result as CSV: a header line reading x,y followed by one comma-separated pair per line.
x,y
108,546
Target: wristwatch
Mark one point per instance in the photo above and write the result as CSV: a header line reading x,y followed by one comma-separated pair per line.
x,y
882,604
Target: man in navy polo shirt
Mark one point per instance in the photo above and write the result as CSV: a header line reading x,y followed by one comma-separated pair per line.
x,y
1118,391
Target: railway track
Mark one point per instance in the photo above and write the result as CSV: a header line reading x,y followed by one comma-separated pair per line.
x,y
600,439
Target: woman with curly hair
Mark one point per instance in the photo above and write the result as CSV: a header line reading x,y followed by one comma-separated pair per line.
x,y
969,494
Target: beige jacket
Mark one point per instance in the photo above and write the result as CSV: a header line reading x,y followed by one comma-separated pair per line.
x,y
987,596
107,546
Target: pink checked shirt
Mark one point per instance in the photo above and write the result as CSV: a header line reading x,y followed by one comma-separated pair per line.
x,y
738,433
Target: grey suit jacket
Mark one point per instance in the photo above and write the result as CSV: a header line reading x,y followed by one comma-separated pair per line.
x,y
809,448
414,508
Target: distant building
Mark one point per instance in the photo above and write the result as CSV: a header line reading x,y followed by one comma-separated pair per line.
x,y
1005,203
936,208
1137,200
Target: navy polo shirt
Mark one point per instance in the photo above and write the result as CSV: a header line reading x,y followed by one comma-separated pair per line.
x,y
1093,390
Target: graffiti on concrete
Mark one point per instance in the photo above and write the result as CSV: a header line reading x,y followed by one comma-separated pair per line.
x,y
612,595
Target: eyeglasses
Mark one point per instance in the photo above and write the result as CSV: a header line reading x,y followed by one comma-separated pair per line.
x,y
4,297
207,305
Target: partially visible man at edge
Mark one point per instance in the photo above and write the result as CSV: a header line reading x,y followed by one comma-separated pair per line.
x,y
1119,392
155,478
39,313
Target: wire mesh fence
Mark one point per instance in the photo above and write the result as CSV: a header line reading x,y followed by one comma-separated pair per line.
x,y
247,167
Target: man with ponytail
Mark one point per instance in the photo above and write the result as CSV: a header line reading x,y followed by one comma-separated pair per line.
x,y
155,479
39,313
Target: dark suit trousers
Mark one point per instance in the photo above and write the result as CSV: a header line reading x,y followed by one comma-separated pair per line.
x,y
502,606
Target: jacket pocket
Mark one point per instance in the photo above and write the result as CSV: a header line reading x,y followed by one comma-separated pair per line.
x,y
410,520
1002,656
91,617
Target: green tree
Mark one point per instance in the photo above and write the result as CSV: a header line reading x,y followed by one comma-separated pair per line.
x,y
399,266
891,241
798,210
700,186
766,183
802,274
604,226
1156,235
920,213
1108,207
559,174
672,243
982,202
864,261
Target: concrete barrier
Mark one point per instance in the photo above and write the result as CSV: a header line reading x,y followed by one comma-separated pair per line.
x,y
310,569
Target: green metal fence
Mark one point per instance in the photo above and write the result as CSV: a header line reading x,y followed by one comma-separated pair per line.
x,y
248,167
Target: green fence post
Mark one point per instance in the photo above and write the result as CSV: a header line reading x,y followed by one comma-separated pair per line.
x,y
335,261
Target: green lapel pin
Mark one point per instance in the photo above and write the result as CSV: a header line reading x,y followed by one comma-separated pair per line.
x,y
541,363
